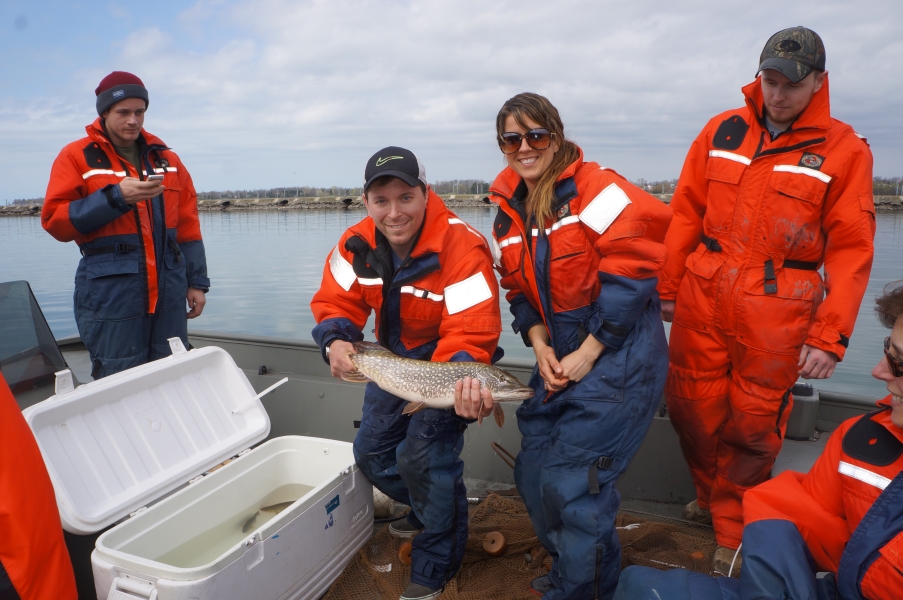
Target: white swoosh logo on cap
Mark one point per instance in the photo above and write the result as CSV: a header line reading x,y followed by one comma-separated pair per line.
x,y
381,161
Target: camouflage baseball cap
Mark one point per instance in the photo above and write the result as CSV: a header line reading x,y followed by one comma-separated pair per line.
x,y
794,53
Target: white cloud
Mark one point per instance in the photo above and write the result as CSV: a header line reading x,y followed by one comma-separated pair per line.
x,y
303,92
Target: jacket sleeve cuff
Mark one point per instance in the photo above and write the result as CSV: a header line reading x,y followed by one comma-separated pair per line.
x,y
331,330
462,356
92,212
621,302
525,317
826,338
197,265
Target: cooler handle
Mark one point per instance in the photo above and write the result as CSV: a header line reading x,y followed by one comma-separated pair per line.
x,y
126,588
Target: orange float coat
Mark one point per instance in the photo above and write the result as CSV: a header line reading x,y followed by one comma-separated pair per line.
x,y
829,505
754,218
447,294
33,555
92,164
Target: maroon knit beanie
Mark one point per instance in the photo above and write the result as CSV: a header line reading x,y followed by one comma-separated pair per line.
x,y
117,86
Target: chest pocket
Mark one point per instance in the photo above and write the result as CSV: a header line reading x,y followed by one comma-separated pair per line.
x,y
792,225
723,177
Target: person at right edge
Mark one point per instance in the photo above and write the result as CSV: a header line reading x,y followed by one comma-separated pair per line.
x,y
579,249
769,194
843,519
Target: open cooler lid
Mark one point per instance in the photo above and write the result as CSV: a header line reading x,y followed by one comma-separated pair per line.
x,y
114,445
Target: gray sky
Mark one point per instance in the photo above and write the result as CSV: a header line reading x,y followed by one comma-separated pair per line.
x,y
278,93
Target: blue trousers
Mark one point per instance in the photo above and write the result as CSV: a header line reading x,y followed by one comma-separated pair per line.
x,y
416,461
111,308
569,492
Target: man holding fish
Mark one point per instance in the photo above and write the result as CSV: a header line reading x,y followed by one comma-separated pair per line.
x,y
428,277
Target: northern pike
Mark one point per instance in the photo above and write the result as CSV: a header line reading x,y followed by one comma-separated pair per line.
x,y
273,509
430,384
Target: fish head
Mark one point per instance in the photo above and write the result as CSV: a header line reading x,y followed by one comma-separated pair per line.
x,y
505,387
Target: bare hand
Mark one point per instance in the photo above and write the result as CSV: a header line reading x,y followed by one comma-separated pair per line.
x,y
340,352
134,190
196,301
668,310
816,363
550,369
472,401
578,363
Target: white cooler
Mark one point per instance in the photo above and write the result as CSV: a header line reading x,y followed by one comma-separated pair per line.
x,y
115,446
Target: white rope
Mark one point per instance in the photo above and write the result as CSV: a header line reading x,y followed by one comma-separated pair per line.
x,y
737,553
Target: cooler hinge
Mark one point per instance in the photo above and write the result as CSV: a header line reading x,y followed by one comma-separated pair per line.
x,y
137,512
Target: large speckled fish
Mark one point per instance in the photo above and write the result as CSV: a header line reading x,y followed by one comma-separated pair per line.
x,y
430,384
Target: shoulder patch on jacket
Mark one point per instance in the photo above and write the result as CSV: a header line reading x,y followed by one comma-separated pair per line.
x,y
502,224
96,157
811,161
601,212
730,133
871,442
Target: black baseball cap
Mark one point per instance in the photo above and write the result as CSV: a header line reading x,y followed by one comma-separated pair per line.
x,y
794,53
395,162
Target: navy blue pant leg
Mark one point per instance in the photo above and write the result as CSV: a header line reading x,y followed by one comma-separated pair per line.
x,y
607,414
429,462
383,427
645,583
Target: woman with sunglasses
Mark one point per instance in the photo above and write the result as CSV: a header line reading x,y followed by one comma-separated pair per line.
x,y
579,249
844,517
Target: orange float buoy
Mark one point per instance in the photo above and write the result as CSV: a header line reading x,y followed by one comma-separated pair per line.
x,y
494,544
404,553
697,555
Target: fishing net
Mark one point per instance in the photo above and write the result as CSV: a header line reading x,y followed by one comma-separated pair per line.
x,y
377,572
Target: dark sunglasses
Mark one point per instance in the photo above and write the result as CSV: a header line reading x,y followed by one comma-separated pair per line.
x,y
538,139
896,366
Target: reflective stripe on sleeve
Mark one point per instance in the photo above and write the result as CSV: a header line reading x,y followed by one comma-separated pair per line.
x,y
803,171
166,170
604,208
409,289
730,156
469,228
863,475
512,240
563,222
341,269
94,172
465,294
373,281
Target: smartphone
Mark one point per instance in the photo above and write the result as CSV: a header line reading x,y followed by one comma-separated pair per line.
x,y
155,177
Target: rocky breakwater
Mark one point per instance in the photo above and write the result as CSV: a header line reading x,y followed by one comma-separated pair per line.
x,y
318,203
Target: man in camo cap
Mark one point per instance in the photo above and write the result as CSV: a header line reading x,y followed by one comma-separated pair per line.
x,y
769,194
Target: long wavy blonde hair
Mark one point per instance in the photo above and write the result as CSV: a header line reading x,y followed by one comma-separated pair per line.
x,y
539,110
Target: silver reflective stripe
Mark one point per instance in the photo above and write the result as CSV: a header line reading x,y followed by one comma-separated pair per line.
x,y
469,228
563,222
94,172
730,156
166,170
341,269
803,171
512,240
496,251
373,281
863,475
464,294
409,289
605,208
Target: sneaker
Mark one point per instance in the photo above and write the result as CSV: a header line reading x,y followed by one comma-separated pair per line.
x,y
540,585
402,528
721,562
697,514
415,591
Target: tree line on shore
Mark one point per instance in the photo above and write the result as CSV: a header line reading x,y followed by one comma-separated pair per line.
x,y
882,186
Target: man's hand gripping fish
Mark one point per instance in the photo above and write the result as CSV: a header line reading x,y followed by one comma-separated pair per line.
x,y
430,384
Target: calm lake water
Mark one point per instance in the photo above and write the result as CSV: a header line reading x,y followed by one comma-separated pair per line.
x,y
266,266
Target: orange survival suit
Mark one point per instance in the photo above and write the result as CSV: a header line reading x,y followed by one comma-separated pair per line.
x,y
138,261
34,562
754,220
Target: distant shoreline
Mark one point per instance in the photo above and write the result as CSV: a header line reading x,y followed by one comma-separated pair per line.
x,y
882,204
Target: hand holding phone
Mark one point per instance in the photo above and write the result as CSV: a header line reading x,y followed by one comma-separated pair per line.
x,y
155,177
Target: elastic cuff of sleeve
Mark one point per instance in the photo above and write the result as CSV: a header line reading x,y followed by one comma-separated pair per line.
x,y
524,329
462,356
607,336
200,283
114,198
835,348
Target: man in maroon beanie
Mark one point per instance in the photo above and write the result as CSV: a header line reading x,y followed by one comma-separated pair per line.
x,y
128,202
